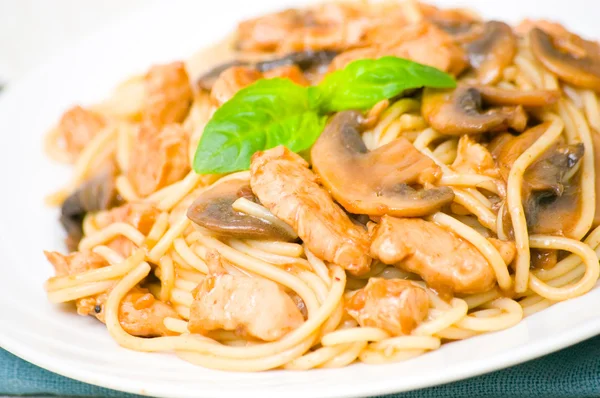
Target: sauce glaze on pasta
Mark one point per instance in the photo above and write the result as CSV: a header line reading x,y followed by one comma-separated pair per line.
x,y
513,146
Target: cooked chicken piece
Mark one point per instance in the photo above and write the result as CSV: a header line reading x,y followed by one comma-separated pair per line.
x,y
394,305
168,94
159,158
231,81
424,43
327,26
292,72
442,259
235,78
284,184
265,33
341,35
75,263
507,249
216,263
77,127
140,313
472,157
250,306
140,215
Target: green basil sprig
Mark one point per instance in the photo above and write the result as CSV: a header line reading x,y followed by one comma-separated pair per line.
x,y
277,111
263,115
365,82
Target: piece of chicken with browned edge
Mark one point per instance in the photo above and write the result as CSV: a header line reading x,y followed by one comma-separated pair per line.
x,y
248,305
424,43
394,305
140,314
445,261
284,184
141,216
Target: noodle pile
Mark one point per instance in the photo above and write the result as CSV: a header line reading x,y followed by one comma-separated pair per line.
x,y
170,257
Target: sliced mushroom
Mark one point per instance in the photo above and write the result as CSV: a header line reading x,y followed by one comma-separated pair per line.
x,y
462,26
213,210
460,30
493,51
375,182
596,142
545,174
550,198
549,214
97,193
506,148
528,98
460,111
581,69
305,60
548,173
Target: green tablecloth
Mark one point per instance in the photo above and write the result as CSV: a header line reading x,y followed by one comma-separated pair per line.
x,y
572,372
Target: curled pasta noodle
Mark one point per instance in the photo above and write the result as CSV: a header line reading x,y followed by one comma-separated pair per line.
x,y
139,249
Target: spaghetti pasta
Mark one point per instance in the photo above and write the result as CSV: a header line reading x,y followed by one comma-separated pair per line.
x,y
439,238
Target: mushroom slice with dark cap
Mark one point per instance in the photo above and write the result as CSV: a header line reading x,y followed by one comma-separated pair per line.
x,y
527,98
550,198
551,201
375,182
546,173
460,111
596,141
461,30
213,210
493,51
580,68
305,60
94,194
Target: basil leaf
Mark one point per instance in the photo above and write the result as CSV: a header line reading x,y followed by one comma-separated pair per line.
x,y
365,82
263,115
276,112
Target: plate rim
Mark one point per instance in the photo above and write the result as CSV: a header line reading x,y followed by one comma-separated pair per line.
x,y
540,347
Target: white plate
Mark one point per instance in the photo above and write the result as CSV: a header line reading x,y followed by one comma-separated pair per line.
x,y
80,347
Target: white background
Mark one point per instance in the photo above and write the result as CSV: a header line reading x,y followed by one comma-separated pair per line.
x,y
32,30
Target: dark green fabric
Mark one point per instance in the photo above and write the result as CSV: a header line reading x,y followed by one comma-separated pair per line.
x,y
572,372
